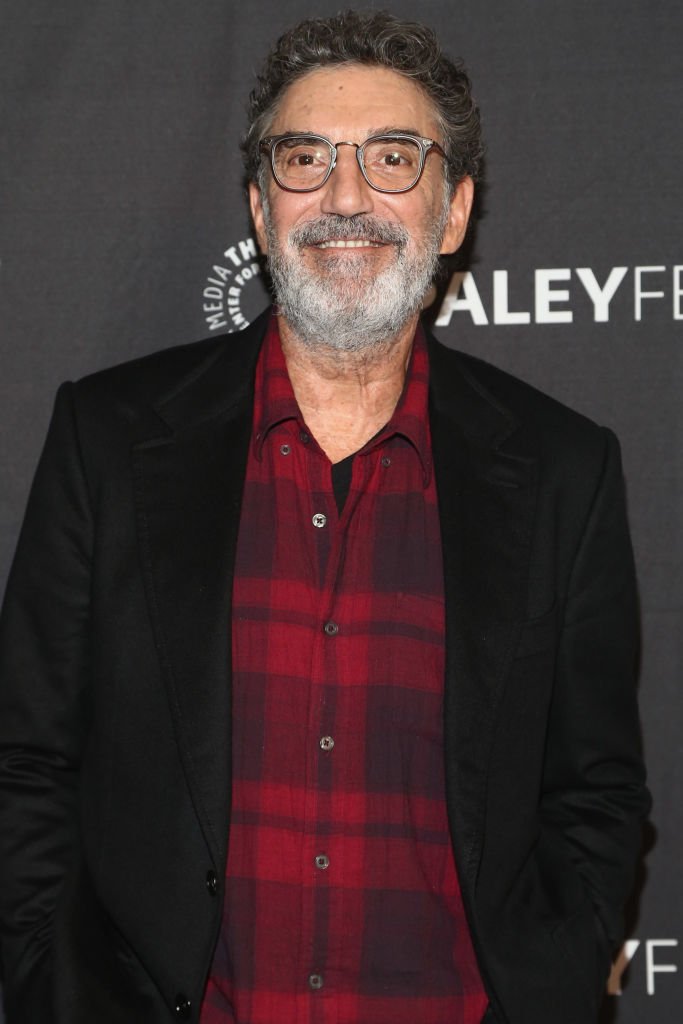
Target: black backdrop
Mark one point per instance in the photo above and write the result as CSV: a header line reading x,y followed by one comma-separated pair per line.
x,y
123,229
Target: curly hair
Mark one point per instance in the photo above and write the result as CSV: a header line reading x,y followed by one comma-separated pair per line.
x,y
380,39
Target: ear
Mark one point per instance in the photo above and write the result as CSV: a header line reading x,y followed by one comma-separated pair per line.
x,y
256,207
458,215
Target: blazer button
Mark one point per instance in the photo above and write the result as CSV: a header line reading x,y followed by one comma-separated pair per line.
x,y
212,882
183,1007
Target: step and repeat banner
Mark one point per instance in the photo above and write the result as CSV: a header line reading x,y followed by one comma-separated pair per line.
x,y
124,229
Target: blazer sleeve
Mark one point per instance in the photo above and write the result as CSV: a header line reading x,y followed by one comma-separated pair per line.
x,y
43,694
594,780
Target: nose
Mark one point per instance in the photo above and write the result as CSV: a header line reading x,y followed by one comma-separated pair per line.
x,y
346,192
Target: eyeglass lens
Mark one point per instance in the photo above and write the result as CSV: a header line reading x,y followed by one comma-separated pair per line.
x,y
390,163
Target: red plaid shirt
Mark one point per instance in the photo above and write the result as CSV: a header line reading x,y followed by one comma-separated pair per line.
x,y
342,903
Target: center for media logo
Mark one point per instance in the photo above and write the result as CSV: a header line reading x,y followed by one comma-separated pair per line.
x,y
234,292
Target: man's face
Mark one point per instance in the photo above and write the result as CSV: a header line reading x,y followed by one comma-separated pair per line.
x,y
352,296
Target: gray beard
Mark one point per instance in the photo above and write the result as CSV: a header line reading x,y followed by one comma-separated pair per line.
x,y
339,309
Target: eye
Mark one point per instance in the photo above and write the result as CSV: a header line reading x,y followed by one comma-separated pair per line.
x,y
394,159
302,152
305,156
302,159
392,156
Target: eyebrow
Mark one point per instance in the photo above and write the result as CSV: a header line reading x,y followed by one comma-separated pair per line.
x,y
393,130
384,130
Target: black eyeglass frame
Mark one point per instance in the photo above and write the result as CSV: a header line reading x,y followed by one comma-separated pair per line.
x,y
426,146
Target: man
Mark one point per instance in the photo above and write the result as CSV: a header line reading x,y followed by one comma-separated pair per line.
x,y
360,605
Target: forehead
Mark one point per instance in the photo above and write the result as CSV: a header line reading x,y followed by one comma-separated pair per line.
x,y
352,101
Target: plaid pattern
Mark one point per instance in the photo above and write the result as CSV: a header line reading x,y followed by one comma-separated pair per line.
x,y
342,902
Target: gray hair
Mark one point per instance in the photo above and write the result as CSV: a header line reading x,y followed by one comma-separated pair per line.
x,y
380,39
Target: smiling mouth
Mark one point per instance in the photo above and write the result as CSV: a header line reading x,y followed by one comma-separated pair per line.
x,y
340,243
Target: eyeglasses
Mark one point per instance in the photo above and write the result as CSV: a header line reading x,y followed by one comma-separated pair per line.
x,y
389,163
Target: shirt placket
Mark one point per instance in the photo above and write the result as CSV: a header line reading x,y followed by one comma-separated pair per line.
x,y
324,865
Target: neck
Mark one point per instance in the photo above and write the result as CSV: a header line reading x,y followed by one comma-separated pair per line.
x,y
346,397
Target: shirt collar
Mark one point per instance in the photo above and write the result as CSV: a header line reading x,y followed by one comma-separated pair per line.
x,y
411,415
274,399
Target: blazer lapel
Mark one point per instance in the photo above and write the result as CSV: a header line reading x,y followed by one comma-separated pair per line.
x,y
188,485
487,499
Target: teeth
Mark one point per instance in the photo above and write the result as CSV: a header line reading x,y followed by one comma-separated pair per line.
x,y
339,243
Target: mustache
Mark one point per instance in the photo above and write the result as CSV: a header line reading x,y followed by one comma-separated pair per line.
x,y
349,229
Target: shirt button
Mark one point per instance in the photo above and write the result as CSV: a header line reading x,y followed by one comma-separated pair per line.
x,y
183,1006
322,861
304,437
386,461
212,882
315,981
326,743
319,520
331,628
285,449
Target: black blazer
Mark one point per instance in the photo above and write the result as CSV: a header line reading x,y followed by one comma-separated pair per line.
x,y
115,697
